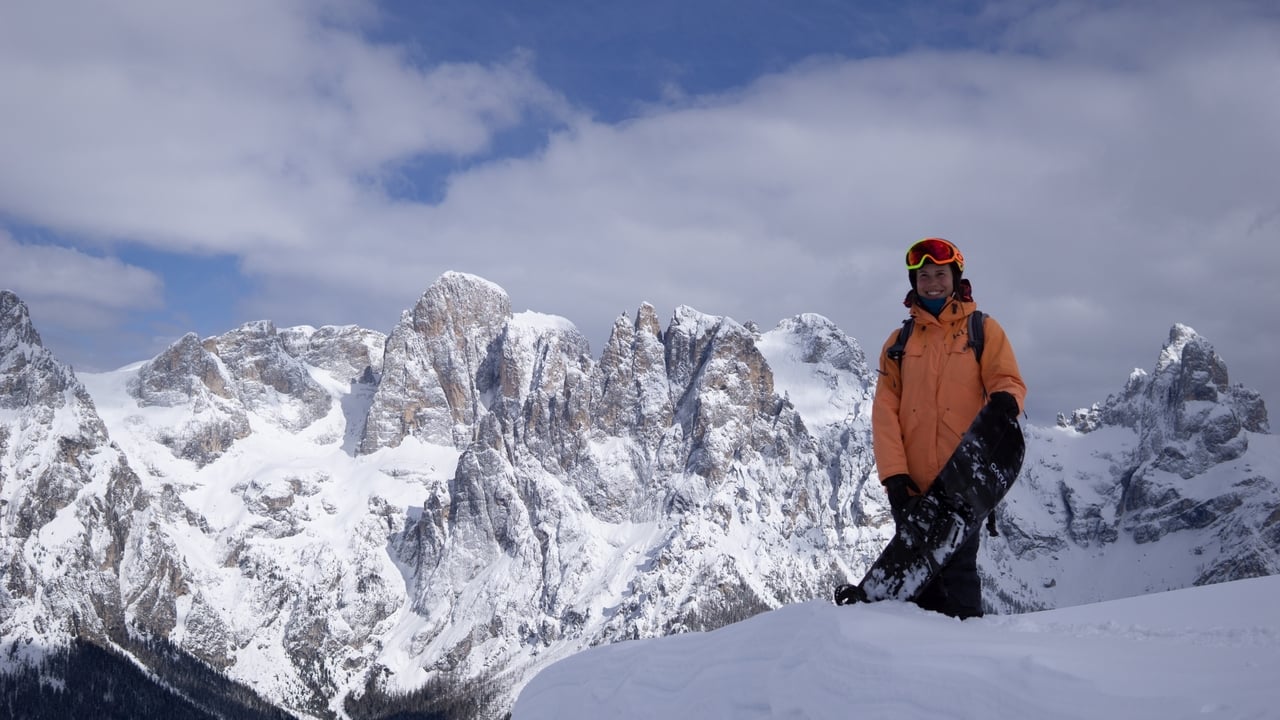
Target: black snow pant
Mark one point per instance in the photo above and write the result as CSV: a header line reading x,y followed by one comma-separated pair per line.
x,y
957,590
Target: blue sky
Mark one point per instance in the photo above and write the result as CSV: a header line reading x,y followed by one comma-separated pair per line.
x,y
1109,168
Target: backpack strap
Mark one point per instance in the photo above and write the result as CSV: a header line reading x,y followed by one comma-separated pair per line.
x,y
976,333
976,337
899,346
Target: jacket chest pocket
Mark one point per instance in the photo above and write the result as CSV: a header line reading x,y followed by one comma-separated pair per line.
x,y
957,340
962,381
940,347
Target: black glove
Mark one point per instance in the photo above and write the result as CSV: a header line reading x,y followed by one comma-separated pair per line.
x,y
1004,404
899,488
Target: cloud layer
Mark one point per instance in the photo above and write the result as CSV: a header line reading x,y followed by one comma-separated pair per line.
x,y
1108,172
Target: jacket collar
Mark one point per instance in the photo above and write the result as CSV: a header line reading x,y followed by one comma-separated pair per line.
x,y
955,309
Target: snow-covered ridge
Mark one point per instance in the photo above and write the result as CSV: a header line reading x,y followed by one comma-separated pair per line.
x,y
541,322
818,368
474,495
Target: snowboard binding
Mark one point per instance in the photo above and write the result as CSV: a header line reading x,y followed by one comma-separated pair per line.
x,y
847,594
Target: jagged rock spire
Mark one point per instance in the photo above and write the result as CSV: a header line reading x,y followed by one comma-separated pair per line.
x,y
1185,411
56,462
433,358
15,324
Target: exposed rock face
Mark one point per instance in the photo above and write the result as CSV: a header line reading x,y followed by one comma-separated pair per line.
x,y
433,359
537,382
45,469
724,387
267,379
681,439
1188,419
347,352
218,382
182,372
1169,459
186,375
630,386
66,495
1187,414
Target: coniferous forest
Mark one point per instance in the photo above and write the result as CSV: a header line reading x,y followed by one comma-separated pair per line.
x,y
85,680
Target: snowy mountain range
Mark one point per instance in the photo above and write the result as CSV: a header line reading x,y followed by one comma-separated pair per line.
x,y
343,520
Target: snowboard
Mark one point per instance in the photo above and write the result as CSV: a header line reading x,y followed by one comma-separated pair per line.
x,y
975,478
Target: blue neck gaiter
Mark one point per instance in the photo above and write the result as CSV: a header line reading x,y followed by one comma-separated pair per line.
x,y
933,305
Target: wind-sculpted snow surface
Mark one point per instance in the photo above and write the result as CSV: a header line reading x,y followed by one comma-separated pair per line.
x,y
329,513
1205,653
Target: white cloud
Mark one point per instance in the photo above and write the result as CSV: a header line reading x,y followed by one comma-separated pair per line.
x,y
226,126
1096,166
72,289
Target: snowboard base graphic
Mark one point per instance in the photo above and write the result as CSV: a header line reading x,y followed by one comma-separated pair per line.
x,y
975,478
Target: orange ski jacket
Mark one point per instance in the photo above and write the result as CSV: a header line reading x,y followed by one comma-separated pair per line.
x,y
924,405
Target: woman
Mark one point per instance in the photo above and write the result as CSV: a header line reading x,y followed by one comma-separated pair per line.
x,y
926,400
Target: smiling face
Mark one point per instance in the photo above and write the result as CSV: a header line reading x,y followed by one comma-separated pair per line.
x,y
935,281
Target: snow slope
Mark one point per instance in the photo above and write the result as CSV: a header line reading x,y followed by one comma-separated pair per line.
x,y
1205,652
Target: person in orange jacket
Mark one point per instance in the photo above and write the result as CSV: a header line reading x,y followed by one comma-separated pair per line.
x,y
925,403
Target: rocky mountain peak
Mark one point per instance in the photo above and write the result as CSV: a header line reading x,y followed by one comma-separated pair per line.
x,y
724,386
1189,370
56,463
432,361
347,352
822,341
183,372
1174,458
1171,352
267,378
30,376
647,320
537,382
630,386
458,304
188,375
1186,412
16,329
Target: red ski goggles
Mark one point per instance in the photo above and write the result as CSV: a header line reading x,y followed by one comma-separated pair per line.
x,y
936,251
